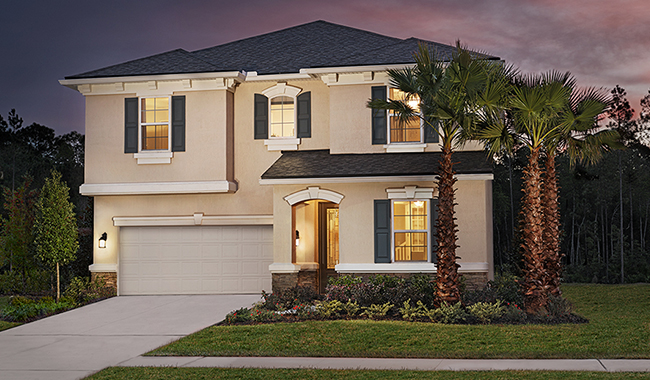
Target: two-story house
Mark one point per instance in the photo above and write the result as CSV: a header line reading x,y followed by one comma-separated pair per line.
x,y
256,164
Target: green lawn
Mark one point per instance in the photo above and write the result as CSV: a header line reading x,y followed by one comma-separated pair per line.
x,y
146,373
619,328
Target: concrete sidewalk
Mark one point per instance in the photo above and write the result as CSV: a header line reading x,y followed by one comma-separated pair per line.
x,y
599,365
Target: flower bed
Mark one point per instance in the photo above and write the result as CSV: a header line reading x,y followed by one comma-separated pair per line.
x,y
387,297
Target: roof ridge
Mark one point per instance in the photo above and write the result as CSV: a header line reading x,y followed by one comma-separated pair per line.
x,y
294,27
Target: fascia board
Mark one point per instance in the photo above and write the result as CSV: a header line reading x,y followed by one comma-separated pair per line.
x,y
423,178
145,78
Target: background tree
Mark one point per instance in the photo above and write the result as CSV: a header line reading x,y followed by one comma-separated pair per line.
x,y
16,237
56,226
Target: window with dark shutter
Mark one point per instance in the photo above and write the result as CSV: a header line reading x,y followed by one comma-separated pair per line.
x,y
431,134
261,117
304,115
382,231
131,125
178,123
379,123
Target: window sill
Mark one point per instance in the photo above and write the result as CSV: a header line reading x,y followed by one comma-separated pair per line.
x,y
278,144
405,148
152,158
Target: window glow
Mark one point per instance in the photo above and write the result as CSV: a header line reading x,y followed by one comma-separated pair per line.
x,y
154,123
410,230
282,116
405,131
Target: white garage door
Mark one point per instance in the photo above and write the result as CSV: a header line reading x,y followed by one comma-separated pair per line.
x,y
195,260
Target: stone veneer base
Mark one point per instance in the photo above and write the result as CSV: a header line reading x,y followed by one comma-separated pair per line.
x,y
109,277
282,281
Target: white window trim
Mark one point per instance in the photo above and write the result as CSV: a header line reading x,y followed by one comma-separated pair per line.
x,y
157,156
282,142
393,231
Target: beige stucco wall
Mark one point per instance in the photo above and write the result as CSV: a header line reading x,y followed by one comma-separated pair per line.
x,y
351,126
220,146
356,234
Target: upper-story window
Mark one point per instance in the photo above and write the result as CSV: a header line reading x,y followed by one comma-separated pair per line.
x,y
154,127
282,116
409,131
399,136
154,123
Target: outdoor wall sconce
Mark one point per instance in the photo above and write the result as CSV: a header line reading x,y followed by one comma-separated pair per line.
x,y
102,240
297,238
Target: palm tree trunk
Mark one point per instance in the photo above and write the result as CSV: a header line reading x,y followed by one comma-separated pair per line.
x,y
58,283
447,281
535,296
550,204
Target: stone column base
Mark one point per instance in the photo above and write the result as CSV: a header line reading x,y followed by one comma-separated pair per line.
x,y
109,277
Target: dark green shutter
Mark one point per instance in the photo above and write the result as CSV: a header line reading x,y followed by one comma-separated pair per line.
x,y
178,123
261,117
432,230
382,231
431,134
304,115
131,125
379,122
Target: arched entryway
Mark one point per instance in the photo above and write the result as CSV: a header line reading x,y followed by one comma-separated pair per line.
x,y
315,226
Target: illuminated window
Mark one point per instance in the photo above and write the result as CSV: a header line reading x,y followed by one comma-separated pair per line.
x,y
282,118
154,123
409,131
411,230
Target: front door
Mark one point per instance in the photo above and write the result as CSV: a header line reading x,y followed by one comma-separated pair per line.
x,y
328,237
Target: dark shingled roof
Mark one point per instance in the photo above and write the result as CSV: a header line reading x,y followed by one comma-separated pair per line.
x,y
316,44
322,164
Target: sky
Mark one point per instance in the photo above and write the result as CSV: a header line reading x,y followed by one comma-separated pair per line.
x,y
602,43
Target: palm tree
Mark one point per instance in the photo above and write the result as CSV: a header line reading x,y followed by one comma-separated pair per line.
x,y
454,98
548,117
583,140
535,105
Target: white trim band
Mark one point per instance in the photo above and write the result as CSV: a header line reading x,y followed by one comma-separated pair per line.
x,y
284,268
203,187
103,268
407,268
193,220
314,192
403,178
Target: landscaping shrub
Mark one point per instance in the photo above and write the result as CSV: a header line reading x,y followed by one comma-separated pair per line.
x,y
329,309
486,312
238,316
289,298
513,314
449,314
413,313
82,290
381,289
24,309
504,287
376,311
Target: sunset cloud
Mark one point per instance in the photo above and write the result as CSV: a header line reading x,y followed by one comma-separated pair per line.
x,y
603,43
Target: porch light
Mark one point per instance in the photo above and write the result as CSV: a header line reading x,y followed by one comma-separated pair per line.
x,y
297,238
102,240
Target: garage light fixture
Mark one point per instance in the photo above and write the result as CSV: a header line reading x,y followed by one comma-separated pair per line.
x,y
102,240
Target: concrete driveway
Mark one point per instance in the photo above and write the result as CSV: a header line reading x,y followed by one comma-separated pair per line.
x,y
80,342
